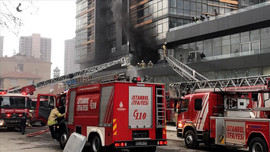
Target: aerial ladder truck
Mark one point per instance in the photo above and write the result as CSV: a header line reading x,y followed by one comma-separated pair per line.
x,y
228,112
111,113
78,77
124,61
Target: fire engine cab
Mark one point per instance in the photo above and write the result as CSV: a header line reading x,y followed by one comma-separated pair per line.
x,y
234,116
12,108
227,112
117,114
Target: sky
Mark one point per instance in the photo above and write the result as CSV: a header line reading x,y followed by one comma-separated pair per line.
x,y
53,19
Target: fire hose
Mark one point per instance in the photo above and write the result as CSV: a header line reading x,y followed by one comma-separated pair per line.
x,y
37,133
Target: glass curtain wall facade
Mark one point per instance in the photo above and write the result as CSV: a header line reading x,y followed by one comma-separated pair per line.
x,y
101,36
245,3
235,45
85,30
186,9
156,17
99,31
116,27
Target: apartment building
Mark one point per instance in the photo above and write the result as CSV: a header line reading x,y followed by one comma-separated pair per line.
x,y
36,46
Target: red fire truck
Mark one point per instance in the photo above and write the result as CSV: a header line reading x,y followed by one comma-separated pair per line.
x,y
232,116
171,107
12,108
32,112
227,112
121,115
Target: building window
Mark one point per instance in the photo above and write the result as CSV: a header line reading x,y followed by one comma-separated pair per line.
x,y
13,82
208,48
19,67
217,46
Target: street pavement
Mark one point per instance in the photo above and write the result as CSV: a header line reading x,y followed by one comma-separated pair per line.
x,y
171,133
14,141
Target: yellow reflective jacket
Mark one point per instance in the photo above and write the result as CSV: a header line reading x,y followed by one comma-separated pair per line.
x,y
53,116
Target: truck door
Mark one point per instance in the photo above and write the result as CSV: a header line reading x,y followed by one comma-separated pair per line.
x,y
45,103
198,114
200,111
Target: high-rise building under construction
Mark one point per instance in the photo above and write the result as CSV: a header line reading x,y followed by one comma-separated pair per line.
x,y
108,29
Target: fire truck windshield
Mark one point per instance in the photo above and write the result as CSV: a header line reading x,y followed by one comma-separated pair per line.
x,y
13,102
183,106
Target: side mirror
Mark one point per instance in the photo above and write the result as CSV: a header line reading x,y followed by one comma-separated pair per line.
x,y
268,83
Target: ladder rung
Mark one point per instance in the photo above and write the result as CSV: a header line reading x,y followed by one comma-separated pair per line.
x,y
161,109
160,103
161,116
160,95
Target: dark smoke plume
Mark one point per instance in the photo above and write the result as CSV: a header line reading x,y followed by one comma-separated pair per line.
x,y
116,8
142,46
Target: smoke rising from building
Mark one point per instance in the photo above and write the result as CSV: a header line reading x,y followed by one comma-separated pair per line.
x,y
142,46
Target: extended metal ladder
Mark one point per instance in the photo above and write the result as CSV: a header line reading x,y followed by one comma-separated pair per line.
x,y
231,84
160,108
184,70
124,61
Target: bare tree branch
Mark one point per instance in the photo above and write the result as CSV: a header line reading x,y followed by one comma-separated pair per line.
x,y
11,13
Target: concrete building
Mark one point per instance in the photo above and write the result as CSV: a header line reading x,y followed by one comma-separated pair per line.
x,y
109,29
99,34
156,17
1,46
21,70
36,46
235,44
69,62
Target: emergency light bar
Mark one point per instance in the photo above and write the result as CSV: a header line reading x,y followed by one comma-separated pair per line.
x,y
136,79
3,93
24,93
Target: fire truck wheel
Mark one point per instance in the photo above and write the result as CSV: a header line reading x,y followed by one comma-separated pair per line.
x,y
63,139
150,149
42,123
257,144
95,144
190,140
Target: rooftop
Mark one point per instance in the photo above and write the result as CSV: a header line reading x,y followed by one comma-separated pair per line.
x,y
16,74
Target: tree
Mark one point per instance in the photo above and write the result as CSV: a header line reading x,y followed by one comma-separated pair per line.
x,y
11,13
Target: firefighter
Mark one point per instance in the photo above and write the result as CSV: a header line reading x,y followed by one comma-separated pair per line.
x,y
189,58
215,12
138,64
202,55
164,47
143,64
23,123
150,64
52,120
